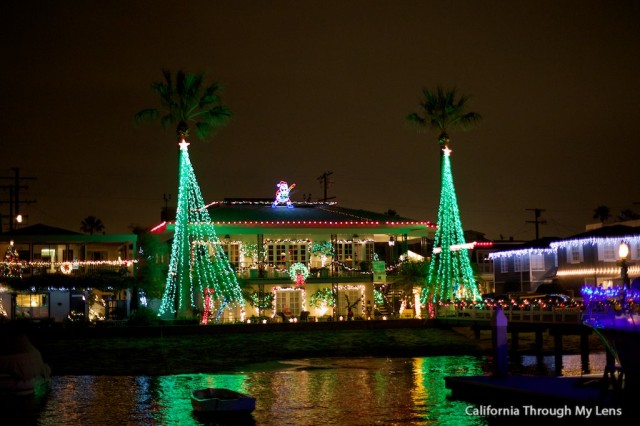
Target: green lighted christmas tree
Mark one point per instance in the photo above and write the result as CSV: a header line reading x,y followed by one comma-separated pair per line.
x,y
450,275
198,266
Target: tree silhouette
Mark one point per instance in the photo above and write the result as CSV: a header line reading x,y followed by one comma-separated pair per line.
x,y
628,214
602,213
186,102
91,225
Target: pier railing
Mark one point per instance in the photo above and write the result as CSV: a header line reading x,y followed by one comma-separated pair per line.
x,y
555,315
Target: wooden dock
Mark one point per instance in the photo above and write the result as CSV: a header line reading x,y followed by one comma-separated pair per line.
x,y
556,322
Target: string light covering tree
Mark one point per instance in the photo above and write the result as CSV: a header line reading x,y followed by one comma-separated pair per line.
x,y
450,275
11,267
198,262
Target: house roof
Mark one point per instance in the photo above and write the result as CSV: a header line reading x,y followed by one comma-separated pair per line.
x,y
40,229
607,232
540,245
234,216
320,212
40,233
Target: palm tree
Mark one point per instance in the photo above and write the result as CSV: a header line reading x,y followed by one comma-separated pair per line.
x,y
91,224
441,111
628,214
602,213
184,102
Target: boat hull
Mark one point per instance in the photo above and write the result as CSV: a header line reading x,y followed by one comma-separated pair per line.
x,y
621,335
223,401
22,370
10,385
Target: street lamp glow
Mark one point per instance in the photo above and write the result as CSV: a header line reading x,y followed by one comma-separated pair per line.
x,y
623,250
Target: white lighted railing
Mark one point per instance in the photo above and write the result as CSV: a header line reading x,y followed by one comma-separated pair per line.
x,y
555,315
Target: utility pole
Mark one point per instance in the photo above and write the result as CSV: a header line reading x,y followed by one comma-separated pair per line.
x,y
14,196
324,180
537,220
165,213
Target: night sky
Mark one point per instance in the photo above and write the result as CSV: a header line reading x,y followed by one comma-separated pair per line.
x,y
319,86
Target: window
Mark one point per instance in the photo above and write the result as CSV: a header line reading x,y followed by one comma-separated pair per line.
x,y
517,264
368,251
298,253
233,253
537,262
277,254
574,254
289,302
32,306
504,265
97,255
346,297
285,254
607,251
67,255
345,251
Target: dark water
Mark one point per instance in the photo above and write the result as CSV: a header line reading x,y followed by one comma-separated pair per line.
x,y
321,391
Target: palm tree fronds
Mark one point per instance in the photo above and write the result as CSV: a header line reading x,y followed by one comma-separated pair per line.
x,y
441,110
149,114
185,100
167,120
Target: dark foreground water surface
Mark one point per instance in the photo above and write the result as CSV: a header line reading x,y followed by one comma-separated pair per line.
x,y
320,391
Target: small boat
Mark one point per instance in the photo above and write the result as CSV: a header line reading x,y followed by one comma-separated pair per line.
x,y
223,401
614,316
22,370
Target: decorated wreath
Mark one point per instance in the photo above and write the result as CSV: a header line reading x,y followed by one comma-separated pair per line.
x,y
298,269
65,268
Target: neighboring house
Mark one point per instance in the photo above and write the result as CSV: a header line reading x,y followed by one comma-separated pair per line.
x,y
523,268
44,251
592,257
568,264
345,251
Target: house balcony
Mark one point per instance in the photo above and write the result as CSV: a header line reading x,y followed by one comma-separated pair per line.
x,y
316,275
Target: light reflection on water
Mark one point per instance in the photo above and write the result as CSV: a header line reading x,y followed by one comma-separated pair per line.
x,y
321,391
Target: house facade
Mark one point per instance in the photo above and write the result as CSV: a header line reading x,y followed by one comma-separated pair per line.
x,y
41,254
523,267
314,260
592,257
568,264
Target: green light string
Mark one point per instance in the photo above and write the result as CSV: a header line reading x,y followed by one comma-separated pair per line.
x,y
450,274
197,259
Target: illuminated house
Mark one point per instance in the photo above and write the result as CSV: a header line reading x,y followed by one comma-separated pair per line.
x,y
38,255
592,257
290,260
524,267
567,264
